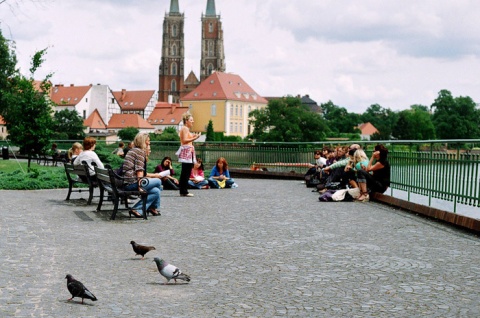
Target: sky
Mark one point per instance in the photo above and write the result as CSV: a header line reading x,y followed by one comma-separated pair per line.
x,y
355,53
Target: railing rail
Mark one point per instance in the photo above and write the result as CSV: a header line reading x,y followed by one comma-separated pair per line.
x,y
441,169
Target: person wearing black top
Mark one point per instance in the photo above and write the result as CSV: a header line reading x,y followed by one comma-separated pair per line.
x,y
376,176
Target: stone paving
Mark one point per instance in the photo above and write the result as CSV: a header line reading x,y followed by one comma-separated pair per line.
x,y
266,249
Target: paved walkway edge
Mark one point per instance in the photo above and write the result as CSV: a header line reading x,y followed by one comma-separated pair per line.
x,y
461,221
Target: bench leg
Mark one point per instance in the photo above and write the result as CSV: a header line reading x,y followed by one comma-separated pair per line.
x,y
100,202
70,186
144,202
90,196
115,207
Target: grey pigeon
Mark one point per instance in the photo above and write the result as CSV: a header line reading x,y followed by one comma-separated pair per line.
x,y
141,249
77,289
170,271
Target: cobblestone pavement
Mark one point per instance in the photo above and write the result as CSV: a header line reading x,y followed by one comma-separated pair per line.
x,y
266,249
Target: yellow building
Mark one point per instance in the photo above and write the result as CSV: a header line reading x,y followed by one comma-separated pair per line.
x,y
226,99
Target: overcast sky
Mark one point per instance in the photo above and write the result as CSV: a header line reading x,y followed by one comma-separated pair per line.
x,y
356,53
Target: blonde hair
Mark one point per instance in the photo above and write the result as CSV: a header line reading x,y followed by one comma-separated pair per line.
x,y
359,156
140,140
75,146
185,117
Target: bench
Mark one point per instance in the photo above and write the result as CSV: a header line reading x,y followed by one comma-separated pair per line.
x,y
112,183
78,174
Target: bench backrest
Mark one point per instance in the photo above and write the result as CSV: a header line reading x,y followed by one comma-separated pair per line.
x,y
79,170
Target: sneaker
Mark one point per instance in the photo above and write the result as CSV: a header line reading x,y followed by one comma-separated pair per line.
x,y
187,195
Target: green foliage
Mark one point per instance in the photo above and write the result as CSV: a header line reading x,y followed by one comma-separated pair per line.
x,y
339,119
28,111
414,124
384,119
455,118
45,178
168,134
128,133
8,70
287,120
210,132
67,124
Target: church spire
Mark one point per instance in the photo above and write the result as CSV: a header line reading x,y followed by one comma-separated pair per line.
x,y
210,8
174,8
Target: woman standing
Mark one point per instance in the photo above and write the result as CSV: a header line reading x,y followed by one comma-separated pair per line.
x,y
134,170
186,153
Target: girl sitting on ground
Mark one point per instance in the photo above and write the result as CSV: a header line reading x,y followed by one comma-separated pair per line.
x,y
197,176
220,176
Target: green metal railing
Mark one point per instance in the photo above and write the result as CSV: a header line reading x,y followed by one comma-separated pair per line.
x,y
442,169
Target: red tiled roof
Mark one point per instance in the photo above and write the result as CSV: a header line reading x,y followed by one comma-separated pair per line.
x,y
68,95
224,86
120,121
95,121
133,100
367,129
167,114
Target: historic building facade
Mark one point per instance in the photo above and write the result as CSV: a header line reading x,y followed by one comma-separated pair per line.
x,y
171,71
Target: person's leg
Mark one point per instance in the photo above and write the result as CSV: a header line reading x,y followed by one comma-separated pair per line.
x,y
213,183
184,177
153,189
229,182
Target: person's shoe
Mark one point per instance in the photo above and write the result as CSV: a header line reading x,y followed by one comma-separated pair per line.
x,y
187,195
154,212
134,213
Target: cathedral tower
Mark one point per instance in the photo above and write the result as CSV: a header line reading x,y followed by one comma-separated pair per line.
x,y
212,55
171,73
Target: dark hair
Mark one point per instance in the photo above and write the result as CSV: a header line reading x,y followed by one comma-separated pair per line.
x,y
224,161
88,143
165,159
200,161
317,152
383,151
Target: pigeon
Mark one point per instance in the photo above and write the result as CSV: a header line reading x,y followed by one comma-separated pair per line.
x,y
141,249
170,271
77,289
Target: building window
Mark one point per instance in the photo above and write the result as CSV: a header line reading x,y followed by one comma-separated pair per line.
x,y
174,86
231,110
241,110
174,30
231,127
174,49
210,69
236,110
210,27
174,68
236,127
213,110
240,128
84,114
210,48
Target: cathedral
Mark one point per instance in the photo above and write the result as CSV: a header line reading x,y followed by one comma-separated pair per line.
x,y
171,80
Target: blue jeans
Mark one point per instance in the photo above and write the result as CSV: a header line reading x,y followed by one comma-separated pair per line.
x,y
153,198
197,185
214,184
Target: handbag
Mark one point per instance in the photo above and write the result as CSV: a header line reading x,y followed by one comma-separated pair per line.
x,y
222,183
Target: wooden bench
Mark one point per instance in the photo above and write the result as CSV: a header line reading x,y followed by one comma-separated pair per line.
x,y
78,174
112,183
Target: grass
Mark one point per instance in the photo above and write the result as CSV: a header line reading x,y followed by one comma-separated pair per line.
x,y
14,175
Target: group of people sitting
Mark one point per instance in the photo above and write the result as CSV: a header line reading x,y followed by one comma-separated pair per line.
x,y
349,167
134,168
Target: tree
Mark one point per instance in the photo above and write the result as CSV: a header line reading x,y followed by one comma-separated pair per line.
x,y
68,125
28,111
384,119
168,134
8,64
339,120
455,118
287,120
128,133
414,124
210,132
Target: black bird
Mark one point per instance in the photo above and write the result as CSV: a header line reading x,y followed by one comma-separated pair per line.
x,y
141,249
77,289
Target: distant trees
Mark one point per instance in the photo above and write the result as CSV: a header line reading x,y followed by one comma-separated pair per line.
x,y
287,120
414,124
128,133
455,117
68,124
